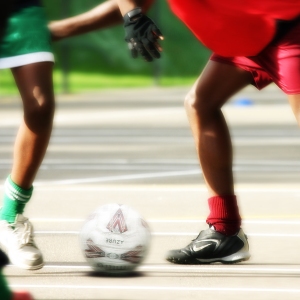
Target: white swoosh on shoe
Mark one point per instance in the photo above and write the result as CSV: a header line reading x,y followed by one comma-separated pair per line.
x,y
195,248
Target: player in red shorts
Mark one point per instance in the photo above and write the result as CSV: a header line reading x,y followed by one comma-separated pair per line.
x,y
269,32
254,42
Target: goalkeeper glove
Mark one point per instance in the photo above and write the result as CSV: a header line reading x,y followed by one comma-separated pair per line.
x,y
142,35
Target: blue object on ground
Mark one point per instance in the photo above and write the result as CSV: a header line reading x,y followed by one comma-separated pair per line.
x,y
243,102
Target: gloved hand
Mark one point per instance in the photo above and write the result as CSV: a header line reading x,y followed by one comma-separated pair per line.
x,y
142,35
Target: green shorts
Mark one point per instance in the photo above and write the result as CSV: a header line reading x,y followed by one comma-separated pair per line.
x,y
27,39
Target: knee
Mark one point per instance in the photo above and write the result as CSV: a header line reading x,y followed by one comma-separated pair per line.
x,y
196,103
192,102
38,114
203,103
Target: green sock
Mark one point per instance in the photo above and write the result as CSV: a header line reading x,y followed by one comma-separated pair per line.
x,y
15,199
5,292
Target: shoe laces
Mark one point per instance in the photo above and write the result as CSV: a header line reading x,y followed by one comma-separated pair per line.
x,y
23,231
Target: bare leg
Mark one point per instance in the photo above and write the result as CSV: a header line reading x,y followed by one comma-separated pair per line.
x,y
295,105
203,105
217,83
35,85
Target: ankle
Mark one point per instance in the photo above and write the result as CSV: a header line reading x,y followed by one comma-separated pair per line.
x,y
224,214
15,199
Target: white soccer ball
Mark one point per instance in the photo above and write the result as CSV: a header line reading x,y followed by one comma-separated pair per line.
x,y
115,239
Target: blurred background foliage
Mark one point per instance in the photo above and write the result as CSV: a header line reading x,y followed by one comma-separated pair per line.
x,y
101,59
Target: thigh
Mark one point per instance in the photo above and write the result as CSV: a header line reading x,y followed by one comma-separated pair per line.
x,y
218,82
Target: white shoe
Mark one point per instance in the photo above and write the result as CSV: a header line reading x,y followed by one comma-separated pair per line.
x,y
16,240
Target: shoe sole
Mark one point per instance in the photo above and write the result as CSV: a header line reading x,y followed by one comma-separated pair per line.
x,y
30,268
39,265
231,259
27,266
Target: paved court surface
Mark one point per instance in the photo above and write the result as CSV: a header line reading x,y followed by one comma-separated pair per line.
x,y
135,147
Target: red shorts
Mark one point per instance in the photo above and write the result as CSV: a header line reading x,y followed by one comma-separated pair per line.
x,y
279,62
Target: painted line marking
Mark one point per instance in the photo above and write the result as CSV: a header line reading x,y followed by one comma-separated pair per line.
x,y
158,162
121,177
73,232
191,268
259,222
156,288
248,234
46,186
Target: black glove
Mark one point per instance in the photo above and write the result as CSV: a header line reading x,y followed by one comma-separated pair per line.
x,y
142,35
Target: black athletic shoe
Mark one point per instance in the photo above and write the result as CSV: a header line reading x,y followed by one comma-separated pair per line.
x,y
211,246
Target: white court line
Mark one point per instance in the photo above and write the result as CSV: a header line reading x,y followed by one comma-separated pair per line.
x,y
121,177
271,222
260,222
46,186
73,232
153,288
181,161
182,189
192,268
184,162
248,234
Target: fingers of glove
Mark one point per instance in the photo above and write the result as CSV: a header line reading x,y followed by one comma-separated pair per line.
x,y
130,45
158,46
154,40
143,52
134,53
157,33
151,48
132,48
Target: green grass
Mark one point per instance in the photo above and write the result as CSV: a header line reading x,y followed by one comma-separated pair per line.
x,y
80,82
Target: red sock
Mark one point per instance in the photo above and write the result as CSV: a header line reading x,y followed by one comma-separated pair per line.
x,y
224,214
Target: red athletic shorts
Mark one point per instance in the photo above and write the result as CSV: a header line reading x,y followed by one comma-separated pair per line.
x,y
279,62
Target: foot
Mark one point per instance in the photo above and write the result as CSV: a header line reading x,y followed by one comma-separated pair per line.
x,y
211,246
16,240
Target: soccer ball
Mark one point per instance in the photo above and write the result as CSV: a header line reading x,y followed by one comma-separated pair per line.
x,y
115,239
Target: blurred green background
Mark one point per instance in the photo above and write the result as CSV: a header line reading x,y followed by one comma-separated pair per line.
x,y
101,59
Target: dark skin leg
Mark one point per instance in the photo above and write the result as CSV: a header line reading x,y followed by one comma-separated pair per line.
x,y
294,101
217,83
34,82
